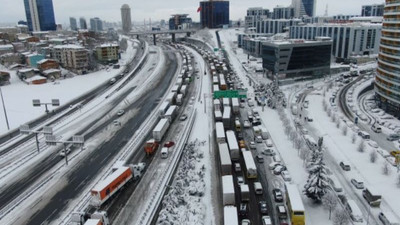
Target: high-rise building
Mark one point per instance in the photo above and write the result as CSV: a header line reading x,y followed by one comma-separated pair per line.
x,y
304,8
387,79
255,14
282,12
126,18
214,14
40,15
180,22
73,24
372,10
82,23
96,24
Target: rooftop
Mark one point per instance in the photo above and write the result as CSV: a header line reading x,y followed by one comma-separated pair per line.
x,y
68,47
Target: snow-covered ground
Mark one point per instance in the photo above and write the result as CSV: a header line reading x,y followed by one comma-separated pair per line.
x,y
18,95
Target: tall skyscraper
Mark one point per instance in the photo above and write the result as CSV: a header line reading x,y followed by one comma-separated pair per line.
x,y
387,79
96,24
73,24
304,8
82,23
40,15
214,14
126,18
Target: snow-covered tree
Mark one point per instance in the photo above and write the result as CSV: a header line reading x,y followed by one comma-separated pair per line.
x,y
317,183
373,156
398,181
340,217
353,138
344,130
386,170
330,202
361,146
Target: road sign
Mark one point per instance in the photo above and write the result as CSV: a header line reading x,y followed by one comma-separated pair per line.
x,y
36,102
48,130
24,129
78,139
216,49
50,139
230,94
55,102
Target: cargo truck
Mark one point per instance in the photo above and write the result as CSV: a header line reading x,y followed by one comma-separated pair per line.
x,y
217,105
175,89
218,115
245,192
163,108
160,129
179,82
171,113
226,117
179,99
183,90
230,215
171,97
235,105
97,218
228,190
225,159
264,133
226,102
233,145
220,132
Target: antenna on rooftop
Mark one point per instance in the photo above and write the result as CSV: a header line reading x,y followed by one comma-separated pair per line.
x,y
326,10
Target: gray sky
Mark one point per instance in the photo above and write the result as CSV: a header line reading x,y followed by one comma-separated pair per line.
x,y
109,10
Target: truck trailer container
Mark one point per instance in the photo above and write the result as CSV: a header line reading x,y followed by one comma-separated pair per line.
x,y
264,133
228,190
175,89
245,192
217,105
226,102
183,90
171,97
235,105
233,145
215,87
220,132
218,116
225,159
226,117
160,129
179,82
93,222
163,108
109,186
171,113
230,215
179,99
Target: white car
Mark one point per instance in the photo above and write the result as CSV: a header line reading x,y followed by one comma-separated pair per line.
x,y
62,152
246,124
253,145
373,144
286,176
272,165
120,112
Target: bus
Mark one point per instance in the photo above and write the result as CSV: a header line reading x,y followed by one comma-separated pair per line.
x,y
250,166
295,205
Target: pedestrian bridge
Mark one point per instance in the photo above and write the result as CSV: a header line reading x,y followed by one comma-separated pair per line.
x,y
158,32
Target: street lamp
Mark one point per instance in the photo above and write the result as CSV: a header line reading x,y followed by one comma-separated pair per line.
x,y
77,140
4,108
54,102
24,129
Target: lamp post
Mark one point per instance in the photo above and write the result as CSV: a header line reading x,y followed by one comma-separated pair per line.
x,y
37,103
24,129
77,140
4,108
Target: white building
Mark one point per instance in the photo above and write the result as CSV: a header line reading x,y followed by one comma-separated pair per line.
x,y
72,57
270,26
126,18
348,39
255,14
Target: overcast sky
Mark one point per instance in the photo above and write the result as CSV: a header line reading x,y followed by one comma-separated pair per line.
x,y
109,10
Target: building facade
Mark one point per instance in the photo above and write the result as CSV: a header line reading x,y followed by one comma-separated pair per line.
x,y
282,12
304,8
372,10
40,15
270,26
348,39
107,53
297,58
180,22
73,24
214,14
82,23
255,14
387,80
96,24
72,57
126,18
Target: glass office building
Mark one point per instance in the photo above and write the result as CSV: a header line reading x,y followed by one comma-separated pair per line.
x,y
214,14
387,80
40,15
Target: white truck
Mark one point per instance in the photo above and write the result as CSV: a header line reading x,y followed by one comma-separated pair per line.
x,y
233,145
230,215
225,159
294,109
179,82
220,132
235,105
226,117
264,133
218,115
163,108
245,192
217,105
171,113
183,90
160,129
175,89
226,102
179,99
171,97
228,190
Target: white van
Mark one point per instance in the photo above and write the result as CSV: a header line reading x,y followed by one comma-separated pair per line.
x,y
250,103
258,188
376,128
164,153
364,135
354,211
269,143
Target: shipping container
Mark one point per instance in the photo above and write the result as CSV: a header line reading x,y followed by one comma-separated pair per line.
x,y
235,105
220,132
225,159
226,117
163,108
171,113
250,166
230,215
228,190
160,129
233,145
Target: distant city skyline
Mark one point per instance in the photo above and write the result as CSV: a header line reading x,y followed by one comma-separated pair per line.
x,y
157,9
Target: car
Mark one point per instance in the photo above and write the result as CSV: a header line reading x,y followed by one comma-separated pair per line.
x,y
246,124
263,207
279,169
309,119
183,117
62,152
245,222
272,165
394,153
373,144
242,144
266,220
286,176
278,196
345,166
113,80
357,184
268,152
260,158
393,137
243,209
237,167
116,123
240,180
169,144
388,218
120,112
253,145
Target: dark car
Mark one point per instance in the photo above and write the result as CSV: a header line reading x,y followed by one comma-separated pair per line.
x,y
169,144
263,207
243,209
277,195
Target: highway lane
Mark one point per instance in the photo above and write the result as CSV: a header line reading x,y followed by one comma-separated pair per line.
x,y
81,175
84,99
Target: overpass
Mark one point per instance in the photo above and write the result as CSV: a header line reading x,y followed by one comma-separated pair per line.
x,y
158,32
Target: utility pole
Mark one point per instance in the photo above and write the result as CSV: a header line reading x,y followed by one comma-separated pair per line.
x,y
4,108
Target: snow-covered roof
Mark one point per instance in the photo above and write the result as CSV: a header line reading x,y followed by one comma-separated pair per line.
x,y
103,184
49,71
8,46
68,47
227,184
27,70
109,45
57,39
36,77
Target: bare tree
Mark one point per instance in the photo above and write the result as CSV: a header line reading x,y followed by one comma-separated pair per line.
x,y
329,112
361,146
337,123
344,130
334,117
330,202
340,217
386,170
373,156
353,138
297,142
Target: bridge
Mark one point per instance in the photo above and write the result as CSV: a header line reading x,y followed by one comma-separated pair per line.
x,y
158,32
